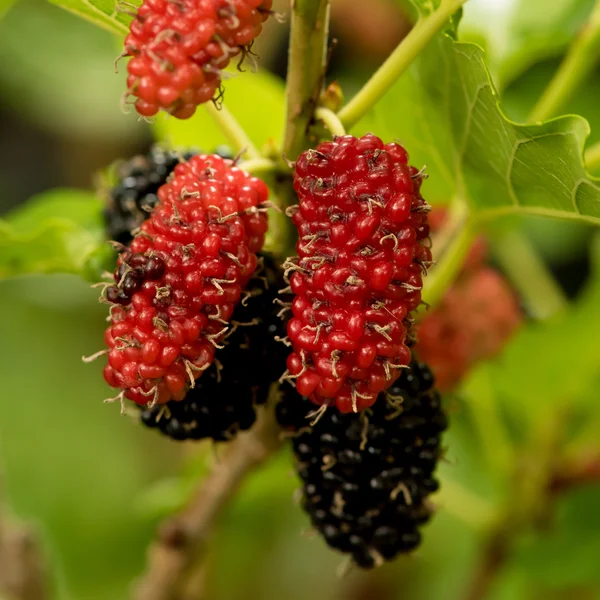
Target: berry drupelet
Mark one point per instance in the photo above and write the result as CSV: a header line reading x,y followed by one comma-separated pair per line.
x,y
135,194
366,477
362,226
224,399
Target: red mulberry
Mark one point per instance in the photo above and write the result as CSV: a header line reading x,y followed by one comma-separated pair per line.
x,y
224,399
179,48
134,194
180,279
362,225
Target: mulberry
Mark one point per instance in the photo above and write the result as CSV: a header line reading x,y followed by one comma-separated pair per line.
x,y
135,194
178,50
177,284
366,477
473,322
362,226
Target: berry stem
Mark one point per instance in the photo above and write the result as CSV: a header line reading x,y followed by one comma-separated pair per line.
x,y
529,274
461,233
592,157
306,70
581,58
258,166
233,131
410,47
331,121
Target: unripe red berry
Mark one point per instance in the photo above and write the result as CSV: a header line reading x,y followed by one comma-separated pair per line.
x,y
181,277
178,50
362,223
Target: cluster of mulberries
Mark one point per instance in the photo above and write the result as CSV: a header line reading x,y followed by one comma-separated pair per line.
x,y
179,48
178,282
474,320
224,399
366,477
131,200
198,361
362,226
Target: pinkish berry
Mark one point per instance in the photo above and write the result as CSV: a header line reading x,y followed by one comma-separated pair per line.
x,y
476,318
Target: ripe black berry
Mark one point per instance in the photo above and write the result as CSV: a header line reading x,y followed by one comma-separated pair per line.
x,y
366,477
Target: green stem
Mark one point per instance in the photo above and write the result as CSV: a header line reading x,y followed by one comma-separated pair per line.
x,y
410,47
592,157
576,66
529,275
258,166
279,234
447,268
232,130
306,64
330,120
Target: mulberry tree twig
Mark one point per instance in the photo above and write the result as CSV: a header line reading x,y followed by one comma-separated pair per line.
x,y
306,63
182,539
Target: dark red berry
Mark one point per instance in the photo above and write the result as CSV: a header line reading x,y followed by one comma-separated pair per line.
x,y
155,268
473,322
362,224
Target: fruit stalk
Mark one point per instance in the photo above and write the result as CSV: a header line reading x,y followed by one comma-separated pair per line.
x,y
410,47
306,64
236,136
448,266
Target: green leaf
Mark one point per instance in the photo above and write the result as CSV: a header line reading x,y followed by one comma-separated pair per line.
x,y
104,13
446,112
520,33
256,100
522,94
56,231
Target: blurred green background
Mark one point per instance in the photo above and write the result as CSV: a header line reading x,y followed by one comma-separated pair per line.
x,y
95,485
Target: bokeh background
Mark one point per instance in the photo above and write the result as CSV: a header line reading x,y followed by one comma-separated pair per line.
x,y
94,484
